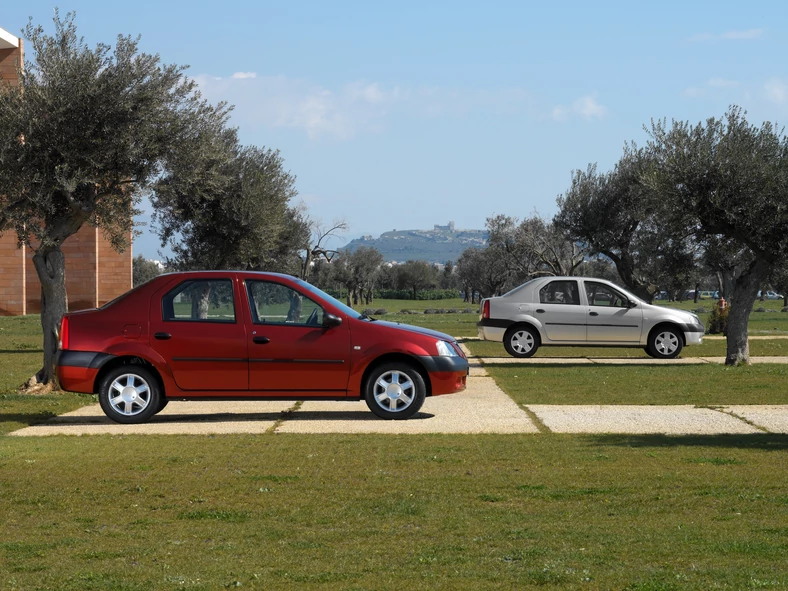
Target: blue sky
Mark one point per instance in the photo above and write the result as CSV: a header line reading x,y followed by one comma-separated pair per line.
x,y
409,114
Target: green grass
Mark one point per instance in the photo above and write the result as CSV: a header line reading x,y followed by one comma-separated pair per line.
x,y
709,348
702,385
393,512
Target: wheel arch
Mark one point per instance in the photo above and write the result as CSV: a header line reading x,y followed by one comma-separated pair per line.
x,y
675,326
397,357
127,360
536,327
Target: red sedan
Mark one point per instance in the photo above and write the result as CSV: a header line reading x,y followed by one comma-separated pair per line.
x,y
247,335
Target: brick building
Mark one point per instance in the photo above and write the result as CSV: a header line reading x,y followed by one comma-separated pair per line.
x,y
95,273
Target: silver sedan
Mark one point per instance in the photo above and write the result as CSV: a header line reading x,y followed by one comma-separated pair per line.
x,y
582,311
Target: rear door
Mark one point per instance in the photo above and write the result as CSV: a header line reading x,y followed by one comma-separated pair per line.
x,y
560,312
196,328
610,318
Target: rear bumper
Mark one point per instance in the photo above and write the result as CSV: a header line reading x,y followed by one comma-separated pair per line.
x,y
447,374
492,329
77,370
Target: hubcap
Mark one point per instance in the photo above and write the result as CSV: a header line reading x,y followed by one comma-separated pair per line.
x,y
666,343
129,394
394,391
522,341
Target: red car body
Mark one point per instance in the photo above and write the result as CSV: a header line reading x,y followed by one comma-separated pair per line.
x,y
241,335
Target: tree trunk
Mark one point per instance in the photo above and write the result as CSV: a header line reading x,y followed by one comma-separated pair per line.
x,y
50,265
745,291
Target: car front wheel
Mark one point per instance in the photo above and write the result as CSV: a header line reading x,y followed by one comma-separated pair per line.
x,y
130,394
521,341
665,342
394,391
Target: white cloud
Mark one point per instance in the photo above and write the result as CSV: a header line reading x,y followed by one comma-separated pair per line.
x,y
776,91
586,107
722,83
713,84
342,113
729,35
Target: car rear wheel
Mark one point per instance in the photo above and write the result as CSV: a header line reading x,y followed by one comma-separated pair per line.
x,y
394,391
665,342
521,341
130,394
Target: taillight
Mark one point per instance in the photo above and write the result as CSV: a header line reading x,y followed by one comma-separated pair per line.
x,y
486,309
63,340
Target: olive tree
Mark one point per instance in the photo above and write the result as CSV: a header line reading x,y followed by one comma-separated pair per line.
x,y
87,130
730,180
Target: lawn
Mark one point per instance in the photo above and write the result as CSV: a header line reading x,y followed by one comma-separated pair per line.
x,y
361,512
393,512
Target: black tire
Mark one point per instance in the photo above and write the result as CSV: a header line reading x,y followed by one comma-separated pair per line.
x,y
665,342
130,394
521,341
394,391
162,403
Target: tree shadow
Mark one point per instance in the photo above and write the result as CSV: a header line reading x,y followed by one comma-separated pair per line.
x,y
761,441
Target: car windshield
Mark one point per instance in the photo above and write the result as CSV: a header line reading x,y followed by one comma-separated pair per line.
x,y
332,300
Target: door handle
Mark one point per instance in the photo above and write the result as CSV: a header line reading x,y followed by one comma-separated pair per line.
x,y
540,311
593,313
162,336
261,340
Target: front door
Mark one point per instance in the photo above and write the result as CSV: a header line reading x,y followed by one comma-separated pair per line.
x,y
195,327
560,312
289,348
610,317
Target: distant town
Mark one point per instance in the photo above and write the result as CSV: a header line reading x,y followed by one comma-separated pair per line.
x,y
441,244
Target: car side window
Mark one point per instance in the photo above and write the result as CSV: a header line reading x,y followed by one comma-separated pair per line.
x,y
602,295
200,300
560,292
274,303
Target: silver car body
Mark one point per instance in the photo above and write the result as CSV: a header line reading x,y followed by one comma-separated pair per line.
x,y
583,311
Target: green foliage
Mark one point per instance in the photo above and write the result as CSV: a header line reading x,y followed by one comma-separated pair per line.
x,y
224,206
718,319
143,270
423,294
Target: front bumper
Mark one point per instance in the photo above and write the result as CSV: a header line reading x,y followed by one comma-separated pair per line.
x,y
447,374
693,334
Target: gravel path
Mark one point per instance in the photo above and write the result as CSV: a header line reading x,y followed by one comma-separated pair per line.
x,y
482,408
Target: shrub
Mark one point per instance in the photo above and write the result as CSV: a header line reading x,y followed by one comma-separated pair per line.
x,y
381,312
718,320
426,294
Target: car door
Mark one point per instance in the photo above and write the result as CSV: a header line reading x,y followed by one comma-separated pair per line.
x,y
195,327
560,312
289,347
610,317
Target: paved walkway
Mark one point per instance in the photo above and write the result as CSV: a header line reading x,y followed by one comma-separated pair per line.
x,y
481,408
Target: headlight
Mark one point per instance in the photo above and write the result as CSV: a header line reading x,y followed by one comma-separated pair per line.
x,y
445,349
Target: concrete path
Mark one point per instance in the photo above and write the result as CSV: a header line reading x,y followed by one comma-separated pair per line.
x,y
481,408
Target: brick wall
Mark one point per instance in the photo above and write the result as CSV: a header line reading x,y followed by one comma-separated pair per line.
x,y
9,60
12,276
95,273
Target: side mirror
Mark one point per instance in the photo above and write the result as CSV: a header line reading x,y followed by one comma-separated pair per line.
x,y
632,304
331,321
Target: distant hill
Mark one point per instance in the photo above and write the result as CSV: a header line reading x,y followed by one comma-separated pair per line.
x,y
441,244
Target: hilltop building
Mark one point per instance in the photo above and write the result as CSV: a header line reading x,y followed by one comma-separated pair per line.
x,y
449,228
95,273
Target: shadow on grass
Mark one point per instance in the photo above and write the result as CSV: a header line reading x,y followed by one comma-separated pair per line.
x,y
6,351
764,441
29,419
